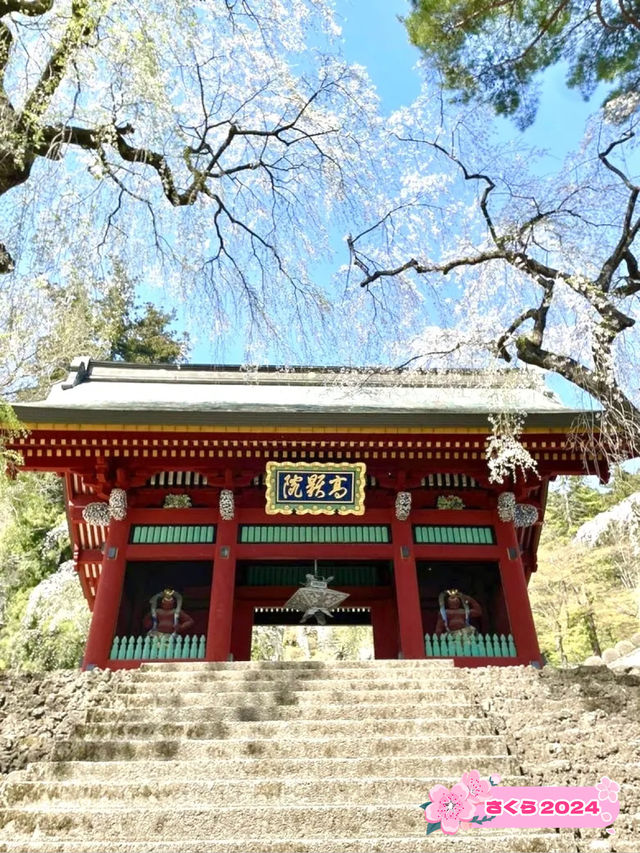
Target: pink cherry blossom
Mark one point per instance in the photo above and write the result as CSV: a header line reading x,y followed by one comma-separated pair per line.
x,y
478,788
449,807
607,789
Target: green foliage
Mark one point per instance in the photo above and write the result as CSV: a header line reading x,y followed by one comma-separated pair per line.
x,y
36,630
580,605
47,626
310,642
491,50
622,485
42,330
569,505
585,599
139,334
31,507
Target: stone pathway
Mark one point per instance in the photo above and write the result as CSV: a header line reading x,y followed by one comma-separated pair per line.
x,y
277,758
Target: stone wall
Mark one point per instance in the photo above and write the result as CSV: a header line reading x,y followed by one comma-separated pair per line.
x,y
36,709
571,727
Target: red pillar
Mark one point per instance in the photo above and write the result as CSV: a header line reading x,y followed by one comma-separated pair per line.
x,y
516,595
241,631
107,604
407,592
385,630
222,592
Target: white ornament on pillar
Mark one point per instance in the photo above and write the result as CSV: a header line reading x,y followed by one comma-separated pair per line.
x,y
97,514
506,506
118,504
227,505
403,505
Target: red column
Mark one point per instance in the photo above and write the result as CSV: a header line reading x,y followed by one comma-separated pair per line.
x,y
407,592
222,592
242,630
385,630
516,595
107,604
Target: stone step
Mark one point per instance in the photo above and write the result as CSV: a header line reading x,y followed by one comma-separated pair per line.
x,y
280,729
474,841
326,673
228,792
170,697
201,769
187,750
183,824
210,683
370,666
308,712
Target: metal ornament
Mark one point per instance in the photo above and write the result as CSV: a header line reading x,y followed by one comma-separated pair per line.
x,y
449,502
97,513
506,506
118,504
525,515
173,501
315,599
100,513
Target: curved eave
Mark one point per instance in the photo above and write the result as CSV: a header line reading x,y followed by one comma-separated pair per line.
x,y
47,417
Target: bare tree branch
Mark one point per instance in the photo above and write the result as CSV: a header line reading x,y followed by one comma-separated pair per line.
x,y
517,245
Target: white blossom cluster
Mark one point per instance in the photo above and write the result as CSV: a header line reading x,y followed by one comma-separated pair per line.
x,y
505,453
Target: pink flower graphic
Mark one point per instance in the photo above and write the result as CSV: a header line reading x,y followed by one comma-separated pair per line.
x,y
449,807
607,789
478,788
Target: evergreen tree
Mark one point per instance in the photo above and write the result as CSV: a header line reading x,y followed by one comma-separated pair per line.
x,y
570,503
492,50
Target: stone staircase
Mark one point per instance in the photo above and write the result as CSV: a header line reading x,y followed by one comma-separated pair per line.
x,y
266,758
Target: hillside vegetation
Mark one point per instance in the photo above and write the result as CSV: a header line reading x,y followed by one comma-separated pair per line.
x,y
586,592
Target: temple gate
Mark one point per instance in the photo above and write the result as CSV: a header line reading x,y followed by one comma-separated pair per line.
x,y
199,499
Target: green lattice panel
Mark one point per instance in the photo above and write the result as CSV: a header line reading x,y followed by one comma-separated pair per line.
x,y
434,534
293,575
173,534
320,534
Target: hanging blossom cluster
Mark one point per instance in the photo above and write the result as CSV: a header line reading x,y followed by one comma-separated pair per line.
x,y
505,453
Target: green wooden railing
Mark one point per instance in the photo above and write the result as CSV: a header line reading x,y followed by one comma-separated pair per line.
x,y
478,646
158,648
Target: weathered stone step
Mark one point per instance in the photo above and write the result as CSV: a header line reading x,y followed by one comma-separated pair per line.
x,y
210,683
282,769
294,822
370,666
309,712
280,729
326,673
170,697
228,792
476,841
188,750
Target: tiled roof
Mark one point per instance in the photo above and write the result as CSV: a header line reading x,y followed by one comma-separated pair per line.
x,y
112,392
